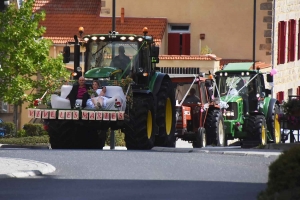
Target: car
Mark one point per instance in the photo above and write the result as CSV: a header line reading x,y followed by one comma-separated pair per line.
x,y
2,129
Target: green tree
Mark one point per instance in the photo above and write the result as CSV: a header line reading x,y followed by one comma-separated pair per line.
x,y
27,70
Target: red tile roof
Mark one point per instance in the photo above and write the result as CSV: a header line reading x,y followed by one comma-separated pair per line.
x,y
207,57
63,18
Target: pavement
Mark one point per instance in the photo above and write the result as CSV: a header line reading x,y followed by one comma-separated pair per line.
x,y
21,168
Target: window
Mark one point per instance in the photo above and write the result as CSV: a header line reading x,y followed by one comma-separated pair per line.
x,y
280,96
4,107
179,39
291,40
281,42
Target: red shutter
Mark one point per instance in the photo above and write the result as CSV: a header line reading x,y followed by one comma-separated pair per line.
x,y
279,43
173,44
280,96
186,44
292,40
298,91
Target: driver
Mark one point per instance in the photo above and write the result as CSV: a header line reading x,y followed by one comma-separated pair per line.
x,y
121,61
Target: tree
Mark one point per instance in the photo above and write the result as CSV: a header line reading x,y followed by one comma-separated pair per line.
x,y
26,70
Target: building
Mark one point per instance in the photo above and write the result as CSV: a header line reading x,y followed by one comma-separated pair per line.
x,y
286,54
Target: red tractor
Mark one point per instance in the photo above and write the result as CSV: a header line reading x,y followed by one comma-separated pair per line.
x,y
199,119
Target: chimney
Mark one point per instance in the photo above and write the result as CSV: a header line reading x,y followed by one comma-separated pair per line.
x,y
122,15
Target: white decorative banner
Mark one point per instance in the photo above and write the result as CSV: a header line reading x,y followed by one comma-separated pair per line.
x,y
113,116
69,114
84,115
31,113
38,113
45,114
61,114
76,115
98,115
52,114
106,116
92,115
121,115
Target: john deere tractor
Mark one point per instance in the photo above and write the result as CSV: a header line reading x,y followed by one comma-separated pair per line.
x,y
249,113
150,109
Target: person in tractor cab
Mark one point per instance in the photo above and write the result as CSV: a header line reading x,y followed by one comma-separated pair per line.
x,y
192,97
121,61
78,92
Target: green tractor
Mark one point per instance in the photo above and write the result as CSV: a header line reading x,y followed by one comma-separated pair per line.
x,y
150,108
249,113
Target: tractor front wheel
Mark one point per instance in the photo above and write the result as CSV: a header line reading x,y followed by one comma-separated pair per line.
x,y
200,139
257,129
140,130
214,126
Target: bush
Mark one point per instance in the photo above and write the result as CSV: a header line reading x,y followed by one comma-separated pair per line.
x,y
26,140
21,133
34,129
119,138
10,128
284,176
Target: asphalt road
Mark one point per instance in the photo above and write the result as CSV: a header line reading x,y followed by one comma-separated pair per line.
x,y
112,174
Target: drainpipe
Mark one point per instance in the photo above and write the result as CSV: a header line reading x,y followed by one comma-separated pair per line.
x,y
254,32
273,45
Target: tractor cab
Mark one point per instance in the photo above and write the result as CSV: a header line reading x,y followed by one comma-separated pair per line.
x,y
116,56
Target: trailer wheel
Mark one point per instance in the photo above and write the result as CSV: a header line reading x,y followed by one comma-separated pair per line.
x,y
140,130
275,128
214,126
257,129
200,139
61,134
165,112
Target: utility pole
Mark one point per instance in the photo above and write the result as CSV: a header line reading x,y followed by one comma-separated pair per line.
x,y
254,32
112,132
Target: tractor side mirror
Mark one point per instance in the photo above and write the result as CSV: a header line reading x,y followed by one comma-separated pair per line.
x,y
269,78
66,54
154,51
267,92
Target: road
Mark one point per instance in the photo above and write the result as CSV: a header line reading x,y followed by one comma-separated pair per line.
x,y
121,174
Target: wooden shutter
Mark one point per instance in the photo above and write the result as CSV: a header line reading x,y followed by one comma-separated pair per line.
x,y
186,44
280,96
173,44
299,40
281,42
291,40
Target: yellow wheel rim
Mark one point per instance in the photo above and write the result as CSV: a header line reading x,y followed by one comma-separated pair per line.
x,y
168,116
263,135
149,124
277,129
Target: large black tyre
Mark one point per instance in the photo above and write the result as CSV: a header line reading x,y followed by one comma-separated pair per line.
x,y
214,126
61,134
257,129
274,124
200,138
165,115
102,135
140,130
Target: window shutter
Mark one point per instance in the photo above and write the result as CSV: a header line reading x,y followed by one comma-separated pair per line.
x,y
279,43
289,40
283,42
299,40
292,40
186,44
280,96
173,44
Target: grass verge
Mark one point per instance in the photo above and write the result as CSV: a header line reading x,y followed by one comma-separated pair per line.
x,y
34,140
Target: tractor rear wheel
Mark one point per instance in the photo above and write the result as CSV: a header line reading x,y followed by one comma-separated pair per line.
x,y
257,129
140,130
274,124
214,126
165,115
200,139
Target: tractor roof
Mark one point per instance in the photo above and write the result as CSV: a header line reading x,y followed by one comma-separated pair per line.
x,y
244,66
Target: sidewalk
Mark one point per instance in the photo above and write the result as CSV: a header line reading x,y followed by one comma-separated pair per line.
x,y
20,168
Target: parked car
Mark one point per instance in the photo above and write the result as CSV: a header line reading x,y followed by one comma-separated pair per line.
x,y
2,129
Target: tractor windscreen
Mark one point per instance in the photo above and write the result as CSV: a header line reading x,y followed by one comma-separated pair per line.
x,y
233,84
117,54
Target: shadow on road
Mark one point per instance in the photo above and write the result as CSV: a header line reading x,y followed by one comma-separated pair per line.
x,y
51,187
